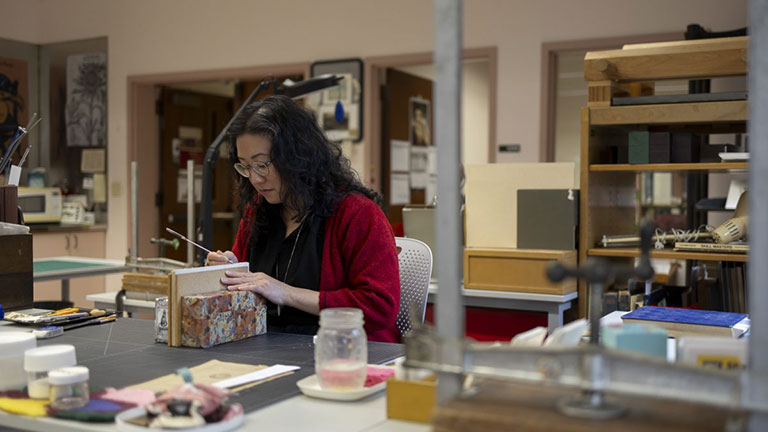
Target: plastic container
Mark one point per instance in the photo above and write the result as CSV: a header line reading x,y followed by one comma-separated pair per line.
x,y
39,361
69,387
12,348
341,349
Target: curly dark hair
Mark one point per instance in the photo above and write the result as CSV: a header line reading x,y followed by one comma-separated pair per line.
x,y
315,174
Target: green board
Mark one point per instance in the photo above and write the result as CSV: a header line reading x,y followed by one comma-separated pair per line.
x,y
58,265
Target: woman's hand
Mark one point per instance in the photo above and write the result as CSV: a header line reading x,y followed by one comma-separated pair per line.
x,y
272,289
219,258
277,292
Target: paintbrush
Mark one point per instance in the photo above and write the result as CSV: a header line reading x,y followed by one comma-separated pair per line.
x,y
194,244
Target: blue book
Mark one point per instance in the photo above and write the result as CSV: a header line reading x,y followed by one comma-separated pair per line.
x,y
680,322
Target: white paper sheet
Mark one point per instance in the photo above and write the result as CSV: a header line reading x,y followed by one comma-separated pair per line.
x,y
400,156
420,159
255,376
419,180
431,191
431,160
400,189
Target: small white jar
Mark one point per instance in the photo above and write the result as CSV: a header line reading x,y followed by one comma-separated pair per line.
x,y
69,387
39,361
12,348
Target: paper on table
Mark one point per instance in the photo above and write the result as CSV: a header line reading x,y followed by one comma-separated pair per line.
x,y
400,189
209,373
431,191
419,180
255,376
400,156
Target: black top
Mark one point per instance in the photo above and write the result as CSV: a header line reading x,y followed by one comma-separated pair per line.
x,y
303,250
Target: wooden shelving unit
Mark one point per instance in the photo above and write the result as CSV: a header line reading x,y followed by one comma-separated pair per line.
x,y
706,166
667,254
609,204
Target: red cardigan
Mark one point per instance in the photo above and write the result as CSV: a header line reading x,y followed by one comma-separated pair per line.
x,y
359,265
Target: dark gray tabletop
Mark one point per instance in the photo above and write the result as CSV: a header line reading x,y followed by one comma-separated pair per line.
x,y
124,353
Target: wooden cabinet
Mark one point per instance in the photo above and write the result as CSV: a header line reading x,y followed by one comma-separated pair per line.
x,y
609,193
90,244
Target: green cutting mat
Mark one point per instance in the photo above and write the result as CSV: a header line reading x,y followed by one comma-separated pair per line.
x,y
58,265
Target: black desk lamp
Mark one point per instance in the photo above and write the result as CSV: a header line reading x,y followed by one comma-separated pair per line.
x,y
290,89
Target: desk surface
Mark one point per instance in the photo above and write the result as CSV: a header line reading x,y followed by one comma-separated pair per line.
x,y
124,353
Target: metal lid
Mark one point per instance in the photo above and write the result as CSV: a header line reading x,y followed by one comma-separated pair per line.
x,y
68,375
49,357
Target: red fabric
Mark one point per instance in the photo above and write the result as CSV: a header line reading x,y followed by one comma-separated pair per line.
x,y
491,325
359,264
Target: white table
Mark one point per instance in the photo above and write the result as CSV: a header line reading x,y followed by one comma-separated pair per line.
x,y
553,305
299,413
106,300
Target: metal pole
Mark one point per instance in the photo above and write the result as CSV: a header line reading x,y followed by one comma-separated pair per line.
x,y
134,210
758,205
190,210
450,316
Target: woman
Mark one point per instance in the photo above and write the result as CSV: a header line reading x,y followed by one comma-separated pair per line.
x,y
313,235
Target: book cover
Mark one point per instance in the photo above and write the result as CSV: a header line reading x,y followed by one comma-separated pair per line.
x,y
682,322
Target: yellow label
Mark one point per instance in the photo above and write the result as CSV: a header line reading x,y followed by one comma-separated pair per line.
x,y
725,362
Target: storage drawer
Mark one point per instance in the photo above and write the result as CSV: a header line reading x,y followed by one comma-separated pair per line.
x,y
517,270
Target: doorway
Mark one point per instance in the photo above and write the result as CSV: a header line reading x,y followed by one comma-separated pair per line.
x,y
152,145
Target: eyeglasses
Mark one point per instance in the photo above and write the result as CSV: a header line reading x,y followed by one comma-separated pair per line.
x,y
260,168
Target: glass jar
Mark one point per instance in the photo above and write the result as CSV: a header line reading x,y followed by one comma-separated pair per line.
x,y
69,387
39,361
341,350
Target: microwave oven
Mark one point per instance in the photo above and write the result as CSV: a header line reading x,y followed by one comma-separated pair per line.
x,y
40,205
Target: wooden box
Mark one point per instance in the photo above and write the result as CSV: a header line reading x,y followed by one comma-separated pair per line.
x,y
516,270
411,400
16,289
149,283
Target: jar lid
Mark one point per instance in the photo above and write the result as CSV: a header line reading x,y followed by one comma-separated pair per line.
x,y
68,375
49,357
15,343
341,317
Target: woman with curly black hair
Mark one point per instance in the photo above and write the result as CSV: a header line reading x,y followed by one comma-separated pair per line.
x,y
313,235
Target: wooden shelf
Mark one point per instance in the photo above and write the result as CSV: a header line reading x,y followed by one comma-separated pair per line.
x,y
681,113
667,254
703,166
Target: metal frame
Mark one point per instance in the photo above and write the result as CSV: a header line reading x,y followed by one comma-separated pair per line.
x,y
589,368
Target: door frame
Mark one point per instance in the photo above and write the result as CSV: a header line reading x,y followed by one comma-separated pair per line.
x,y
375,67
549,53
143,137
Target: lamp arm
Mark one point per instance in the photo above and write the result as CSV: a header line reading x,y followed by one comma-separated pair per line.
x,y
205,225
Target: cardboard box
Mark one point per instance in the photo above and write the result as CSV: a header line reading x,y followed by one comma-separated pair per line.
x,y
220,317
516,270
411,400
16,289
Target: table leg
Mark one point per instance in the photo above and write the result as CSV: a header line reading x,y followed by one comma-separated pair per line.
x,y
65,290
554,319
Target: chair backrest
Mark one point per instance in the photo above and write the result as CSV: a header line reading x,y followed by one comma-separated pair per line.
x,y
415,260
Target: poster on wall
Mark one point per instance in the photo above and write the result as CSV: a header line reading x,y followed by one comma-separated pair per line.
x,y
419,122
86,108
338,109
13,99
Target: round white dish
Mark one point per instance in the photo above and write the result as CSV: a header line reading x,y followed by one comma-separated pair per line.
x,y
310,386
226,426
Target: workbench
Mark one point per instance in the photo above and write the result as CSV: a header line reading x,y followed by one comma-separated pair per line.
x,y
124,353
65,268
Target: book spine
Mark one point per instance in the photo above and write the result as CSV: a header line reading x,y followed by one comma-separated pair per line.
x,y
715,247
